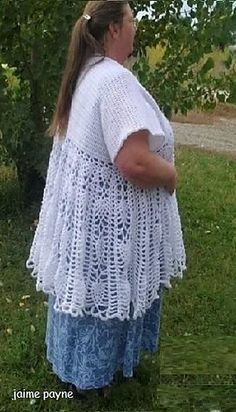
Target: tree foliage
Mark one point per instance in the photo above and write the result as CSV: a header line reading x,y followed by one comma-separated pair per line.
x,y
178,81
34,37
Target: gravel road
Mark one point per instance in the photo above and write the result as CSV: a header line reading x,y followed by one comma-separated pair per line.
x,y
220,137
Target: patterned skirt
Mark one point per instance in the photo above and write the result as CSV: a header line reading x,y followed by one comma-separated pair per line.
x,y
87,351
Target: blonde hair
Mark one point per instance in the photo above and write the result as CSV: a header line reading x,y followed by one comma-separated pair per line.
x,y
86,41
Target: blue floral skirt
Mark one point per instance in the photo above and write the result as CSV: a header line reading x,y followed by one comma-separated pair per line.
x,y
87,351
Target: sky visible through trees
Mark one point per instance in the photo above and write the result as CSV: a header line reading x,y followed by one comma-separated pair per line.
x,y
185,8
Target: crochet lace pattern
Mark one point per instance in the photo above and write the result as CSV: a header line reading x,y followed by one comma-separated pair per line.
x,y
102,243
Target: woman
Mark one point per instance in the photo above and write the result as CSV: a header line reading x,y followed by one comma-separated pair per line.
x,y
109,235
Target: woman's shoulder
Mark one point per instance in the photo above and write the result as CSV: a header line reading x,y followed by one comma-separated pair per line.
x,y
108,71
117,70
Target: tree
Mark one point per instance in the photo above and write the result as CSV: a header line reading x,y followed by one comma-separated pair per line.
x,y
34,36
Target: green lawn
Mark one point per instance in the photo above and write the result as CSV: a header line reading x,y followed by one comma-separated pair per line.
x,y
196,367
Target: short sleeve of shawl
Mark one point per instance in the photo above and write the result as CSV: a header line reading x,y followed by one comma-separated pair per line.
x,y
124,111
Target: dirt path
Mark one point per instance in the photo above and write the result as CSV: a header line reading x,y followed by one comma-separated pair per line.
x,y
219,137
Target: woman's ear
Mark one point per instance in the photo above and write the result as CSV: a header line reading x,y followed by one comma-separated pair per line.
x,y
114,30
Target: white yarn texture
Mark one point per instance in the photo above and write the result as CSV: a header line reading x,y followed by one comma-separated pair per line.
x,y
102,243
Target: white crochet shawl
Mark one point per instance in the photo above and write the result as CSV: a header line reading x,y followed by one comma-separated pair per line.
x,y
102,243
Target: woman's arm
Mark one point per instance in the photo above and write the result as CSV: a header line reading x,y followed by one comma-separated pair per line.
x,y
142,167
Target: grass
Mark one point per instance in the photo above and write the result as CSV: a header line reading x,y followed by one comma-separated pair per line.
x,y
196,367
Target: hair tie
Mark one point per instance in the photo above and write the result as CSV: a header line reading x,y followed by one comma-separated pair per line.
x,y
87,17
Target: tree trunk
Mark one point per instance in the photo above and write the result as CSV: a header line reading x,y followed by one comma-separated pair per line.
x,y
31,184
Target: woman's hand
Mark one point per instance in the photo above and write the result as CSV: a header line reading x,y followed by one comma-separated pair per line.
x,y
172,183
